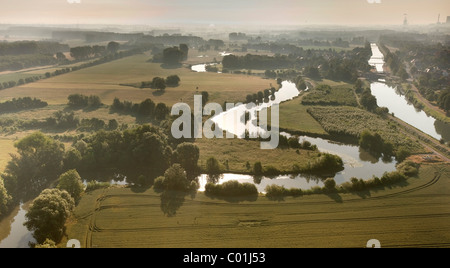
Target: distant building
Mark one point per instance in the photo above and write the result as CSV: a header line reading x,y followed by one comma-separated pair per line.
x,y
448,20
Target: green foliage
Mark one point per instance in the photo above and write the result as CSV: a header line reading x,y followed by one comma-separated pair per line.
x,y
327,163
48,243
368,101
258,169
144,149
173,81
187,154
330,184
326,95
95,185
39,163
5,199
231,189
174,179
81,101
48,214
72,183
21,104
351,122
212,166
277,192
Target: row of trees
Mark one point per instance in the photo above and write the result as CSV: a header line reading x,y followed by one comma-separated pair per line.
x,y
31,47
78,101
172,55
21,104
85,52
161,83
146,108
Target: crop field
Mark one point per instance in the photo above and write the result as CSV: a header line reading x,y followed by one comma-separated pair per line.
x,y
105,81
415,215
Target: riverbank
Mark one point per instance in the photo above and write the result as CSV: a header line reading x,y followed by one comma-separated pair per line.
x,y
119,217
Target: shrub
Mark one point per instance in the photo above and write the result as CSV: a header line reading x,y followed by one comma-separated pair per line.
x,y
258,169
231,189
95,185
273,191
330,184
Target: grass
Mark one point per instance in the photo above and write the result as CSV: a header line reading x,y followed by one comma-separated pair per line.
x,y
415,215
295,118
238,152
104,80
336,95
351,121
6,148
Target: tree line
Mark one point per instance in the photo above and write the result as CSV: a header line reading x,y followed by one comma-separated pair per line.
x,y
21,104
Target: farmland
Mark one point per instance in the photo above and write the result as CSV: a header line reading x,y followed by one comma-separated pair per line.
x,y
414,215
105,81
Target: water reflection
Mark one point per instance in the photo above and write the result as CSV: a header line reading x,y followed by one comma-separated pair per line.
x,y
19,236
396,103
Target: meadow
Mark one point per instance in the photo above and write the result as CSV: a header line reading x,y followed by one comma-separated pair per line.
x,y
352,121
411,215
105,81
234,154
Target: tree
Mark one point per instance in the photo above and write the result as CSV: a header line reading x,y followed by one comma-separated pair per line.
x,y
187,154
147,108
185,49
172,56
5,198
39,163
205,97
113,47
212,166
48,214
312,72
257,168
113,124
330,184
369,101
60,56
173,81
159,83
48,243
72,159
161,111
174,179
72,183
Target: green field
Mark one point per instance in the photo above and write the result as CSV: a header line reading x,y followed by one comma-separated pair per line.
x,y
416,215
104,80
237,153
294,117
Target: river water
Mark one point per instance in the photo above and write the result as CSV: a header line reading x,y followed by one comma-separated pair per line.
x,y
396,102
357,162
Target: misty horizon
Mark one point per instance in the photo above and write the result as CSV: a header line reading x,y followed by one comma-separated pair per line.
x,y
224,13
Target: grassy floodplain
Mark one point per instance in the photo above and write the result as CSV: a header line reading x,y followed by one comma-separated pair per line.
x,y
105,81
412,215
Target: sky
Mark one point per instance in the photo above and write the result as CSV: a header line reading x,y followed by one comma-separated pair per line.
x,y
223,12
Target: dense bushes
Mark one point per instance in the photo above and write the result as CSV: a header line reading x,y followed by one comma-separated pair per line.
x,y
20,104
81,101
351,122
231,189
147,108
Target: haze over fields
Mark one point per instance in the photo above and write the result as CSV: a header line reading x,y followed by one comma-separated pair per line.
x,y
224,12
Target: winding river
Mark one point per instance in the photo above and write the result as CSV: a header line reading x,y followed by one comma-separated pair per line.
x,y
357,162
